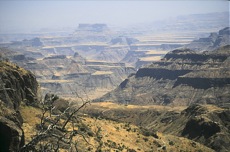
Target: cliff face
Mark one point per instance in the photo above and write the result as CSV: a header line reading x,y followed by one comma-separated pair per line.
x,y
182,77
160,73
16,85
214,41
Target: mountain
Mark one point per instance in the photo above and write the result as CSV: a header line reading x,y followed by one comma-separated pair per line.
x,y
182,77
193,23
214,41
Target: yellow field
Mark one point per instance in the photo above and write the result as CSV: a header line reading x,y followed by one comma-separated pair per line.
x,y
156,52
102,73
56,81
110,105
152,58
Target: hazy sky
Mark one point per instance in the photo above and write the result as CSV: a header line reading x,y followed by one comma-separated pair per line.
x,y
61,13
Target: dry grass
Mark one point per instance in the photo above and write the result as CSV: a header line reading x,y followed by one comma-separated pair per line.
x,y
212,108
98,92
152,58
91,94
5,66
56,81
156,52
114,136
119,133
108,66
30,120
130,137
110,105
102,73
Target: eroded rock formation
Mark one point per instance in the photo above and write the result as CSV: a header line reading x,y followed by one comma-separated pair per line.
x,y
214,41
182,77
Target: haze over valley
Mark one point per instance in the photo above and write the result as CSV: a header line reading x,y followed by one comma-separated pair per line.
x,y
120,76
95,59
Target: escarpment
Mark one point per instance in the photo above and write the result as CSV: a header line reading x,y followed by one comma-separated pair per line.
x,y
161,73
206,124
17,85
182,77
214,41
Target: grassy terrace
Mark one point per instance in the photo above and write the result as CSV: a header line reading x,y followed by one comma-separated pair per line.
x,y
102,73
152,58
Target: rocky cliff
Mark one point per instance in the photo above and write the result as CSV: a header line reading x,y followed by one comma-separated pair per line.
x,y
214,41
182,77
16,86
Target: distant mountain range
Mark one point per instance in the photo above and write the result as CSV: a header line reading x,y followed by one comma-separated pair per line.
x,y
193,22
182,77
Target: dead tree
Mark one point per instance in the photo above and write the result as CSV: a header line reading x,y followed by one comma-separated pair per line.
x,y
56,129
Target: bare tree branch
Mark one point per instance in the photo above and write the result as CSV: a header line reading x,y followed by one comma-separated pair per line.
x,y
52,128
74,112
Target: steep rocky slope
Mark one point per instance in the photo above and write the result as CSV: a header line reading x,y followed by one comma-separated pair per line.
x,y
107,135
206,124
214,41
182,77
16,85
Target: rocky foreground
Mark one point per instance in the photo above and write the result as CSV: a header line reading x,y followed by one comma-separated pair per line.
x,y
17,86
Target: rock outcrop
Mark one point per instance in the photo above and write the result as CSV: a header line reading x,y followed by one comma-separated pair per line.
x,y
16,85
35,42
182,77
205,124
214,41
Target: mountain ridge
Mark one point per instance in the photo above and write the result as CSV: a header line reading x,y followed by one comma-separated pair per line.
x,y
182,77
